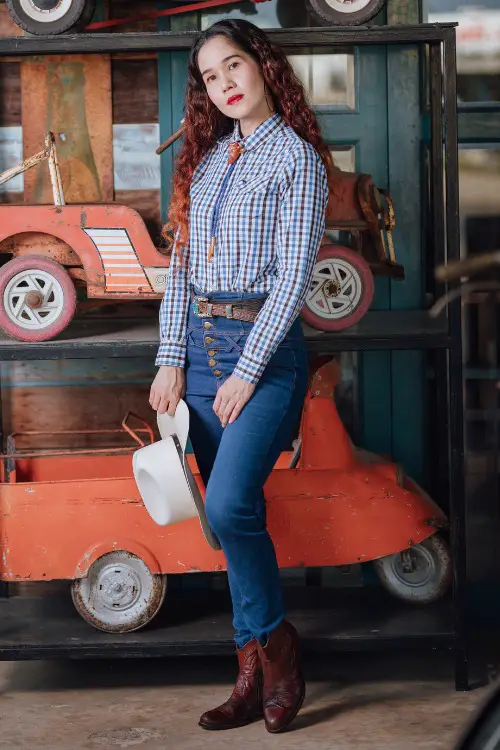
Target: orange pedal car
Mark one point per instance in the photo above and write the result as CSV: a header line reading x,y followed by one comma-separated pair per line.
x,y
79,517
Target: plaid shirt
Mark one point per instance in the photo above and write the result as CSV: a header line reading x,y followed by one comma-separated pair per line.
x,y
267,211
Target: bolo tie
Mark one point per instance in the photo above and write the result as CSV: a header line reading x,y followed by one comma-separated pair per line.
x,y
235,151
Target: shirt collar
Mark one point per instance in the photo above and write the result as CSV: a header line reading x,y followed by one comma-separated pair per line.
x,y
260,134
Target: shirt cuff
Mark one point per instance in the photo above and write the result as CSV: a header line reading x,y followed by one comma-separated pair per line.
x,y
171,354
248,369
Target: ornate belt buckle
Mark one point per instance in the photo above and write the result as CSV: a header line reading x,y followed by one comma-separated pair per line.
x,y
196,307
229,311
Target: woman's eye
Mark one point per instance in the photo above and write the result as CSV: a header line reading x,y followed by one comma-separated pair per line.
x,y
233,65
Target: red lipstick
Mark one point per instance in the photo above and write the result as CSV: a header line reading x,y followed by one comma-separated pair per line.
x,y
234,99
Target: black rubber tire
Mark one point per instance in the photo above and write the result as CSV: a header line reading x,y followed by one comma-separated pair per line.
x,y
327,16
438,549
78,16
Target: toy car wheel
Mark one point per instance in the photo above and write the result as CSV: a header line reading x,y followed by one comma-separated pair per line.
x,y
37,298
119,593
51,16
345,12
341,290
421,574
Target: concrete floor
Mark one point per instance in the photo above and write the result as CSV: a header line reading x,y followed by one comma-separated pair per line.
x,y
355,701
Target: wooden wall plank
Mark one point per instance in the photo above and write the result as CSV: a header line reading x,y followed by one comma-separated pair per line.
x,y
125,9
74,408
10,94
135,91
403,11
71,96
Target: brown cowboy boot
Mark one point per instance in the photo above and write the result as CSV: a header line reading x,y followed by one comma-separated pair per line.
x,y
284,687
245,703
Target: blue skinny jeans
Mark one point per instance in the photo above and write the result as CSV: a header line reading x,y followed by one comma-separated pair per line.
x,y
236,461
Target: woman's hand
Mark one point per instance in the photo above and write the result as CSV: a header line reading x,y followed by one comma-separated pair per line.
x,y
168,387
231,398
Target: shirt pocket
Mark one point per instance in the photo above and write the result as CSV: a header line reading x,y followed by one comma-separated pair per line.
x,y
253,194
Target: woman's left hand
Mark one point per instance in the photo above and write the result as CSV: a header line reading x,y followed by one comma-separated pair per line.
x,y
231,398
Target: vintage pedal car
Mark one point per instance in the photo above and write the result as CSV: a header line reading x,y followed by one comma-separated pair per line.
x,y
77,515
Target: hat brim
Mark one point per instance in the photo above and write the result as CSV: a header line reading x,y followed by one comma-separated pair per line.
x,y
176,425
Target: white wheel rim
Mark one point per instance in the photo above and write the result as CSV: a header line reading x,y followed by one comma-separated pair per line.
x,y
46,15
424,568
336,289
118,590
38,287
348,6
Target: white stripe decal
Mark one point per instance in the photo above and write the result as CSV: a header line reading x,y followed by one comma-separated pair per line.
x,y
106,232
109,258
122,265
114,248
115,245
120,275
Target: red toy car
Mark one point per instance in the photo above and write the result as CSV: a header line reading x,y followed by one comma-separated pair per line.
x,y
78,515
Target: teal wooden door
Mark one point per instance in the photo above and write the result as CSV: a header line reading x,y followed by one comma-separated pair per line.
x,y
382,125
367,102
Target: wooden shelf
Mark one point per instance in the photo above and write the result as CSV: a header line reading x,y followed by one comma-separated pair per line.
x,y
92,337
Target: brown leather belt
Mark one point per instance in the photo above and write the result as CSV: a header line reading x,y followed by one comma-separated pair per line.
x,y
246,310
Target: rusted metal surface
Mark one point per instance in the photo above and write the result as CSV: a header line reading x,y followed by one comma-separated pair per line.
x,y
79,276
72,97
40,243
131,604
55,175
135,432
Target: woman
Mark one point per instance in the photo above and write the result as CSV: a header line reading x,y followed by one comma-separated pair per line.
x,y
248,214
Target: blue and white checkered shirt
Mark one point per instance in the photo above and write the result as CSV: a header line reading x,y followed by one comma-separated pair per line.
x,y
267,211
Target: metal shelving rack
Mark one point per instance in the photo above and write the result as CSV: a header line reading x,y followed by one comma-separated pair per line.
x,y
32,629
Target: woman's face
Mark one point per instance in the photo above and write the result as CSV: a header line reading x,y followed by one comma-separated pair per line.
x,y
233,79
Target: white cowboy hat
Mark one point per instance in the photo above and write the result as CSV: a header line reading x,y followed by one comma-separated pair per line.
x,y
164,478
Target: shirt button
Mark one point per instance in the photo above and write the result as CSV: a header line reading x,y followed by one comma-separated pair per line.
x,y
217,372
208,340
211,352
212,362
207,324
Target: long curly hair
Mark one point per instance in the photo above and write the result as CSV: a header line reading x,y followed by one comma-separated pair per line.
x,y
204,124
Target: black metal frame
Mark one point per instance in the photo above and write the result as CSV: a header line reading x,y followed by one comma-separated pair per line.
x,y
388,330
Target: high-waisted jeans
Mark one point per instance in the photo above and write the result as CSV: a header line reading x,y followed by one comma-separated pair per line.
x,y
235,462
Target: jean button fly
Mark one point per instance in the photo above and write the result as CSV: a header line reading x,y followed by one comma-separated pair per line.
x,y
208,340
